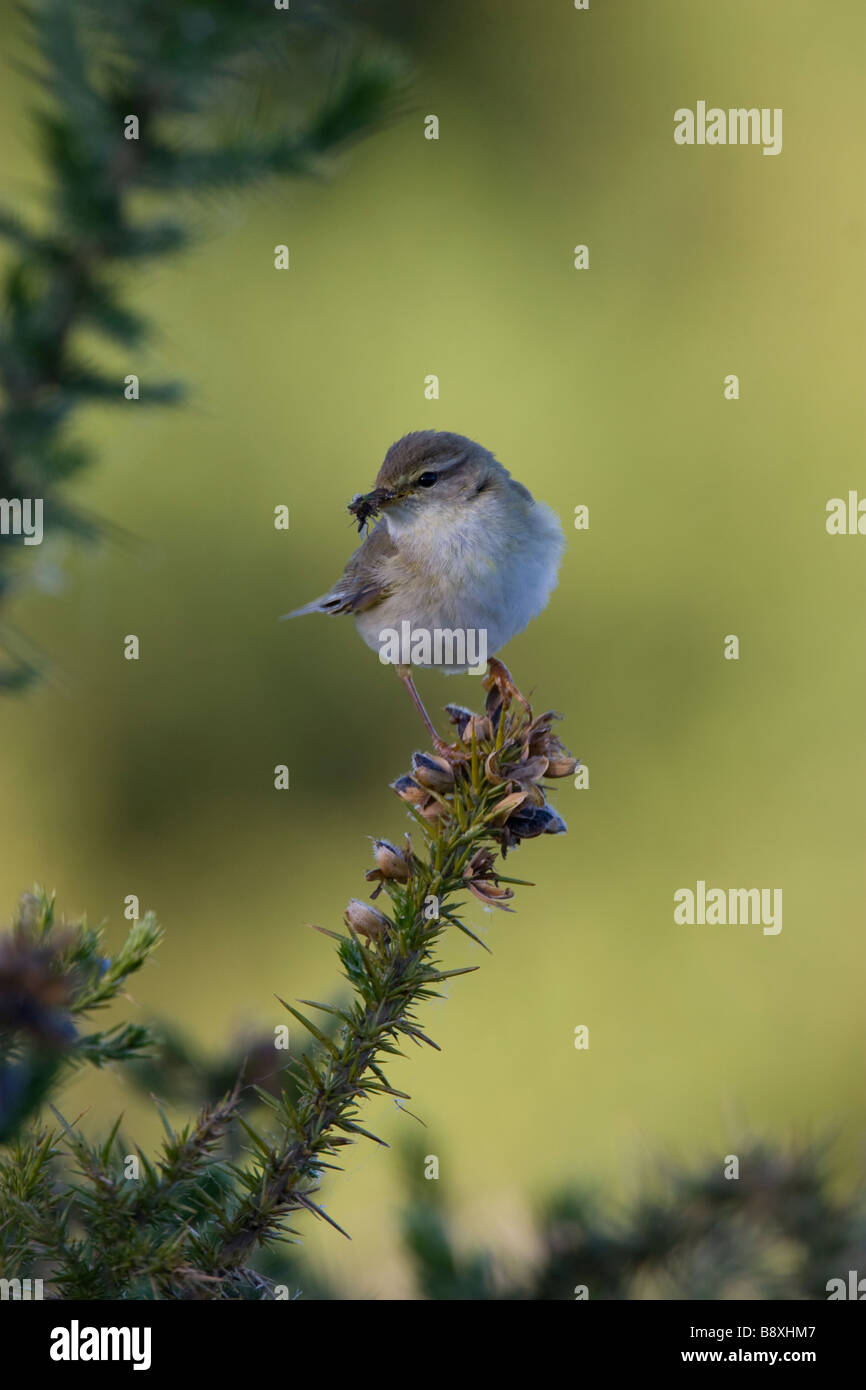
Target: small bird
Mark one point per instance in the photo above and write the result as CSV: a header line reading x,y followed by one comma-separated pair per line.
x,y
460,547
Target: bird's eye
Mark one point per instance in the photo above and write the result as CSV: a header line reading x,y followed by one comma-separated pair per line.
x,y
427,479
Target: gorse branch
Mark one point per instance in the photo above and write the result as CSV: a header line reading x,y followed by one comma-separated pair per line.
x,y
487,798
223,98
188,1224
51,976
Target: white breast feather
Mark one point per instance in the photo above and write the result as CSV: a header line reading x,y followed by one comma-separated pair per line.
x,y
489,572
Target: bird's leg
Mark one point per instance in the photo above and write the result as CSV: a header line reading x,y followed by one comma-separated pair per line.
x,y
444,749
499,678
405,674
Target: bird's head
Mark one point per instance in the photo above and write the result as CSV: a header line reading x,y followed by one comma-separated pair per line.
x,y
430,471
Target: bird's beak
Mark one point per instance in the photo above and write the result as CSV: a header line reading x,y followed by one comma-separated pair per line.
x,y
362,508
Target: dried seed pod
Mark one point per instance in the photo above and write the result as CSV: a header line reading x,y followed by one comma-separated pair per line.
x,y
435,773
409,790
540,740
561,765
528,822
481,880
509,804
482,728
469,724
523,772
535,795
366,920
490,893
433,811
459,716
390,861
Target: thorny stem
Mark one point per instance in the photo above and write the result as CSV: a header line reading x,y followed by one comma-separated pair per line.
x,y
189,1225
393,978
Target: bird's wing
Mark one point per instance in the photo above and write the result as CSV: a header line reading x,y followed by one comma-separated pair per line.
x,y
364,582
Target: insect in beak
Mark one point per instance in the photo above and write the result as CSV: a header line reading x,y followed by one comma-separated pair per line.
x,y
363,507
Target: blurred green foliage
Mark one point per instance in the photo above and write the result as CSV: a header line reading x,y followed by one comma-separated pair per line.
x,y
299,88
773,1231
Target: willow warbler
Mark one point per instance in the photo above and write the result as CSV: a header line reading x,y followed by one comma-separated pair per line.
x,y
461,559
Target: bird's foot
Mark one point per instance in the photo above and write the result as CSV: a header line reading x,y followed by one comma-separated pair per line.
x,y
499,679
451,752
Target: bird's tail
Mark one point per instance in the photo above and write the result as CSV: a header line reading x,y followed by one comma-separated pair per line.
x,y
323,604
299,612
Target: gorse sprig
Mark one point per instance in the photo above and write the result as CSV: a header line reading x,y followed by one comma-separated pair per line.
x,y
51,976
106,1220
485,797
223,94
188,1223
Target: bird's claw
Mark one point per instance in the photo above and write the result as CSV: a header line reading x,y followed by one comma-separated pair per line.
x,y
451,752
498,678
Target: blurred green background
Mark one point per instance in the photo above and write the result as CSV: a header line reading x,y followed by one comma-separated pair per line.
x,y
601,387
